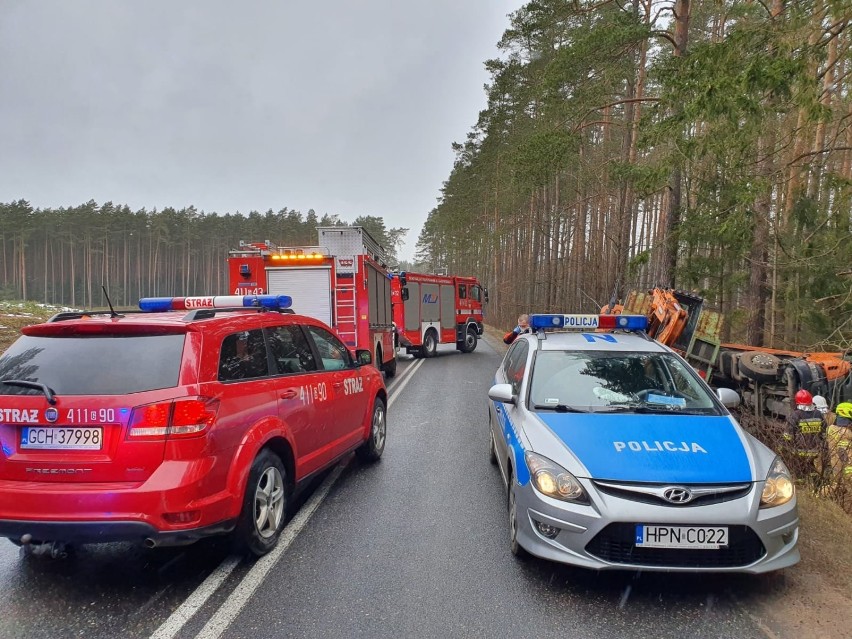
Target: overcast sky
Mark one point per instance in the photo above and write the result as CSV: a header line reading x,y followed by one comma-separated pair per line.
x,y
345,107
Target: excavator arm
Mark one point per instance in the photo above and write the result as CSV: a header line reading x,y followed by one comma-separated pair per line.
x,y
667,318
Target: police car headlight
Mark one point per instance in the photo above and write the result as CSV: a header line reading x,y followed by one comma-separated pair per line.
x,y
554,481
778,488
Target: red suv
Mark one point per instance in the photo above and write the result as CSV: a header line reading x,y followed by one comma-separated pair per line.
x,y
167,426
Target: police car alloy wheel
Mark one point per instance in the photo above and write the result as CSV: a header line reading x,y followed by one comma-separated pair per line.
x,y
514,546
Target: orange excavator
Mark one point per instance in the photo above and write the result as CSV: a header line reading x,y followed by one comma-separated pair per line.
x,y
766,378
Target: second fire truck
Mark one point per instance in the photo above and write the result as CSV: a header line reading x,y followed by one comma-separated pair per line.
x,y
437,309
342,281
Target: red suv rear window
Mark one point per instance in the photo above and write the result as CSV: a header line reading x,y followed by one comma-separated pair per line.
x,y
93,365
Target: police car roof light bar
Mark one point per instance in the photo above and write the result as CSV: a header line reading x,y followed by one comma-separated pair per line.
x,y
161,304
540,322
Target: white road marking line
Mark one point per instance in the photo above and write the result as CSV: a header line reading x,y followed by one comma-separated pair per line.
x,y
397,389
198,598
214,628
235,602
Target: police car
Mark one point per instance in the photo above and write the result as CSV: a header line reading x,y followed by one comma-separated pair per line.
x,y
617,455
191,417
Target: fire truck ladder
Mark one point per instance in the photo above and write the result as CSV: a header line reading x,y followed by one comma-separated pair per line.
x,y
346,310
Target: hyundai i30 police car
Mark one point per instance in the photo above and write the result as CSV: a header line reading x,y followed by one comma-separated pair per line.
x,y
194,417
617,455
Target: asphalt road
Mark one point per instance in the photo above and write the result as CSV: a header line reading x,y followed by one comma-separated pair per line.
x,y
413,546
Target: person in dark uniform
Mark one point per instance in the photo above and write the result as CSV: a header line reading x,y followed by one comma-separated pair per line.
x,y
805,434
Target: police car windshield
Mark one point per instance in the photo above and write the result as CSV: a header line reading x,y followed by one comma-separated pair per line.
x,y
624,382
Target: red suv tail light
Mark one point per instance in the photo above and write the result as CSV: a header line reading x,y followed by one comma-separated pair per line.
x,y
188,417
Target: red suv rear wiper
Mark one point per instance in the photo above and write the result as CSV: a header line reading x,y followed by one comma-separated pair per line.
x,y
25,383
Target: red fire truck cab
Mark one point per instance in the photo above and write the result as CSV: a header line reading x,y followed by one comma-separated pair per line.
x,y
342,281
436,309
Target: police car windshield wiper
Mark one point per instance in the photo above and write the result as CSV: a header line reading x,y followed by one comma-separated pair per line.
x,y
645,407
25,383
559,408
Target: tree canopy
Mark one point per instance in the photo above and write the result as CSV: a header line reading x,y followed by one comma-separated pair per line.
x,y
697,144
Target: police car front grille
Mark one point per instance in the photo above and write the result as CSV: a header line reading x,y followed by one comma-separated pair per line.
x,y
641,493
615,544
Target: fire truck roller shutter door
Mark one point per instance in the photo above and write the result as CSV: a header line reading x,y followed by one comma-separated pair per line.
x,y
412,307
430,306
379,297
310,289
448,306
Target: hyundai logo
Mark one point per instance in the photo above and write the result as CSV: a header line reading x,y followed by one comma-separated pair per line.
x,y
677,495
51,414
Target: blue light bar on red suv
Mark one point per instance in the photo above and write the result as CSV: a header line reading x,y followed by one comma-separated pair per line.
x,y
160,304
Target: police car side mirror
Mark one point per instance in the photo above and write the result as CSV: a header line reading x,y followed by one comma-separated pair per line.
x,y
363,357
730,398
501,393
403,293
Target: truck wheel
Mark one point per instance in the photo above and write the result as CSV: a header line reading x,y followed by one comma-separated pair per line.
x,y
760,366
390,368
430,344
264,505
470,341
372,449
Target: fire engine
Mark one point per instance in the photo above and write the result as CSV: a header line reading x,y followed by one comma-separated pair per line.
x,y
342,281
436,309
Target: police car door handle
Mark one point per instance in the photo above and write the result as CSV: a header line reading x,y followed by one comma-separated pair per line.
x,y
498,408
290,393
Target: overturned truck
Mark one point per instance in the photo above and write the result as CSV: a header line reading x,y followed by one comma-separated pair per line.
x,y
766,378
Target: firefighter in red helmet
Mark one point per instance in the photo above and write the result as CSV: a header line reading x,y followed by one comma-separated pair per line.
x,y
805,436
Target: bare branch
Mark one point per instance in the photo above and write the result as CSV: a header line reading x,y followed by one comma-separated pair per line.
x,y
665,35
584,125
818,152
605,106
763,4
